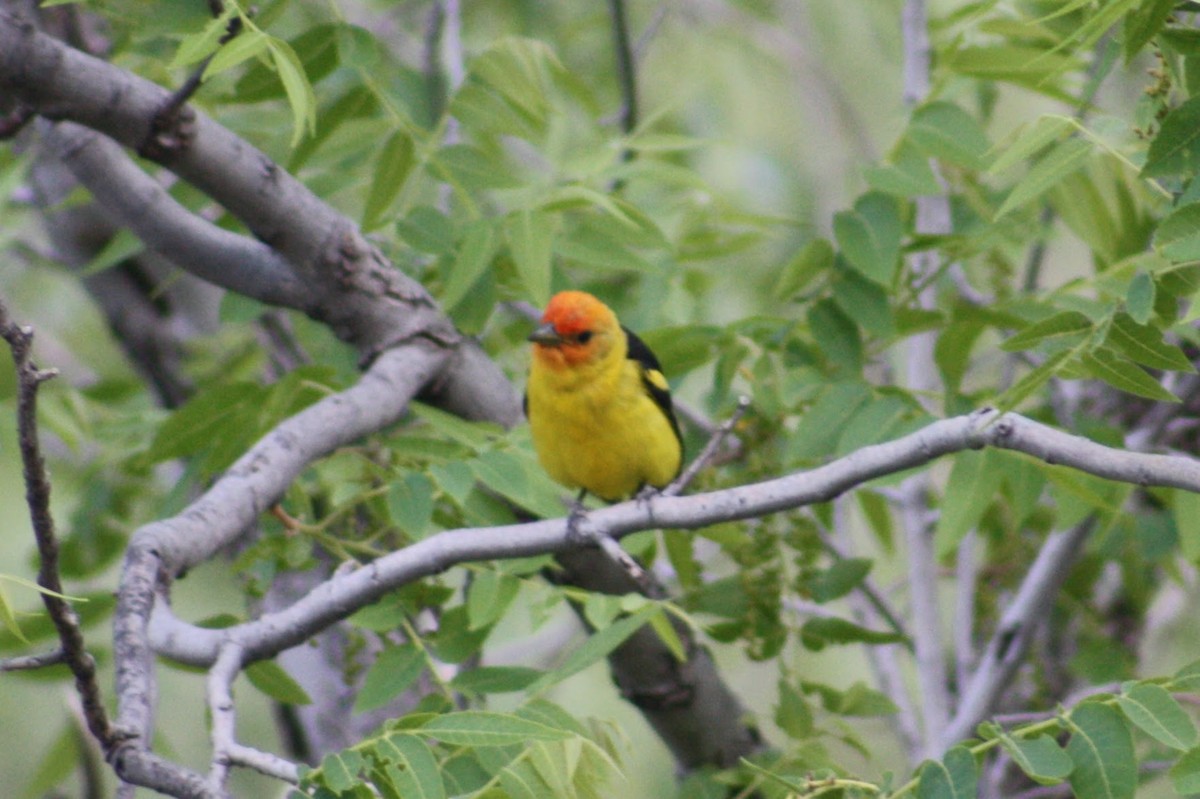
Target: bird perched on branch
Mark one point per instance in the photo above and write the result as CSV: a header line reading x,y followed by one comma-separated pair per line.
x,y
598,405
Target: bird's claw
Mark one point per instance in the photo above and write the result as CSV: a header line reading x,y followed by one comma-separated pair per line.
x,y
646,493
575,517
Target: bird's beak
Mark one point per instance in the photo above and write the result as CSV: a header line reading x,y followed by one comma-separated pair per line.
x,y
546,335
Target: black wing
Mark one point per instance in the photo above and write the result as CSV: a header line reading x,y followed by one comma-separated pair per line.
x,y
638,351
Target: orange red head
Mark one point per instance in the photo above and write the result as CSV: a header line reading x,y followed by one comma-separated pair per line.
x,y
576,328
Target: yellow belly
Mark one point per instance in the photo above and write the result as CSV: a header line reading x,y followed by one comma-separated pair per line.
x,y
609,439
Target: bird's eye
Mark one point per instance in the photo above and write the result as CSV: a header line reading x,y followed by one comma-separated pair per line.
x,y
584,337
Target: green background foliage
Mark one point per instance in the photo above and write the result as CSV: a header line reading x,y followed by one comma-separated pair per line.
x,y
760,226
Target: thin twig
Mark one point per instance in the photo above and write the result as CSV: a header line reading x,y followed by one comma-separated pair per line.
x,y
222,712
29,662
710,449
171,127
37,496
626,70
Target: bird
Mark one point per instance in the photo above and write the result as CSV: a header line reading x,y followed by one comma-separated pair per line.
x,y
599,407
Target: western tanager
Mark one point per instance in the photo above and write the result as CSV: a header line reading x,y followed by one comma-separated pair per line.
x,y
598,405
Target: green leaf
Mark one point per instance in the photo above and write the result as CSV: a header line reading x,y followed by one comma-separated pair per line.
x,y
869,236
864,301
474,435
1178,236
1185,508
1041,758
793,715
837,336
1139,299
840,579
414,773
339,770
519,479
530,236
270,678
857,700
198,46
520,69
317,48
489,595
247,44
819,632
1060,330
1029,66
428,230
954,777
1185,774
1158,715
301,98
683,348
55,763
945,131
881,419
1176,148
207,421
877,511
597,646
1144,344
1031,140
394,670
663,142
472,260
1183,41
8,617
974,483
1032,381
819,428
455,640
1102,750
410,504
600,247
813,259
1142,24
471,169
520,780
661,624
906,174
122,246
495,679
485,728
1124,375
952,352
1060,162
392,168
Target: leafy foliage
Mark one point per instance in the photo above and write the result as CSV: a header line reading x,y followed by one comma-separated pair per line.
x,y
1063,285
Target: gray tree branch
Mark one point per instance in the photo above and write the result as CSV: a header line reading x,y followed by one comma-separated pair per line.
x,y
345,593
1009,643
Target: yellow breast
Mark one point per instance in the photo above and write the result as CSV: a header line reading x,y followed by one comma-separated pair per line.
x,y
599,429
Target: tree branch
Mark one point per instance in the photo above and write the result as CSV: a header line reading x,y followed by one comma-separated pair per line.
x,y
131,198
1006,650
37,495
159,551
343,594
31,662
932,216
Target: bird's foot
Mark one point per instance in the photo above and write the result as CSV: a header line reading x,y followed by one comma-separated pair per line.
x,y
646,493
576,536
